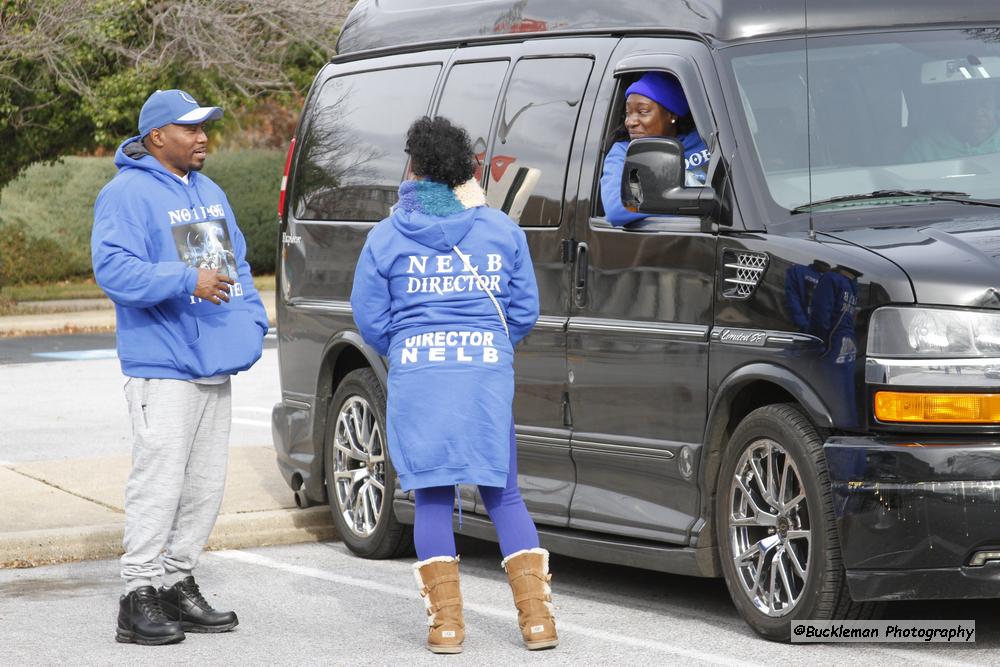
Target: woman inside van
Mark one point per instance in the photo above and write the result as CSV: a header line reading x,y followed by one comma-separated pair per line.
x,y
445,289
655,106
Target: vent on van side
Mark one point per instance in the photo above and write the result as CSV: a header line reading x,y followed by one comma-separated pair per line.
x,y
742,270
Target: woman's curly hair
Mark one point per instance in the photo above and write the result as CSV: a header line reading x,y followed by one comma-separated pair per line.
x,y
440,151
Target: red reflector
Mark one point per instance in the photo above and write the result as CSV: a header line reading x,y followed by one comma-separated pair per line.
x,y
284,179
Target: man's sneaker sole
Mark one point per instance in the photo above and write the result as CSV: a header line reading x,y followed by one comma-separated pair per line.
x,y
129,637
208,629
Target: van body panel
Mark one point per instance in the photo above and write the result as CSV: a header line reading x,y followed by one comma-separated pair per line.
x,y
374,24
637,342
931,253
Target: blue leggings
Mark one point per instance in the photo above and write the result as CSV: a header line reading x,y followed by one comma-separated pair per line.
x,y
432,533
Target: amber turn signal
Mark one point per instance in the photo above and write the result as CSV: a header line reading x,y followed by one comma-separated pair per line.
x,y
912,407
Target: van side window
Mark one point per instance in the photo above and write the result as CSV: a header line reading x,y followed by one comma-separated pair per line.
x,y
469,98
352,157
527,170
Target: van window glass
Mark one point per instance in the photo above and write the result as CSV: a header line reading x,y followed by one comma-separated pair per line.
x,y
527,171
352,155
914,111
469,98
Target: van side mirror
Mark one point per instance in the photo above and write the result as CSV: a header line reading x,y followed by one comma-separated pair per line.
x,y
653,180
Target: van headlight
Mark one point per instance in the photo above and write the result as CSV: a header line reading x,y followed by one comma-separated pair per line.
x,y
933,332
928,356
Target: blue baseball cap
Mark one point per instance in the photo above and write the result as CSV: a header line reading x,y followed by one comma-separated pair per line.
x,y
662,89
165,107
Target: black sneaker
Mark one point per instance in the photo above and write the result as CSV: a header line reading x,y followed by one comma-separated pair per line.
x,y
184,602
141,620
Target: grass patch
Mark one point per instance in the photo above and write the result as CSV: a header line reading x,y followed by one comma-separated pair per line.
x,y
64,289
264,283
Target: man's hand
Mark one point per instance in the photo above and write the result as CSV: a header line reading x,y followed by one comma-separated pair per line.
x,y
213,286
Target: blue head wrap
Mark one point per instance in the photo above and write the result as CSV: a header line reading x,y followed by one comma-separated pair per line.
x,y
662,89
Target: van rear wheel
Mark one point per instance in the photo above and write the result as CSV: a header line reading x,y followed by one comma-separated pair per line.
x,y
360,480
776,527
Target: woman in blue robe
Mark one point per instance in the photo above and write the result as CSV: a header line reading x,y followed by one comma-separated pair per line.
x,y
445,288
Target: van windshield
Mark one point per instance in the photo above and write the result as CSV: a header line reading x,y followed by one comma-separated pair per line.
x,y
874,120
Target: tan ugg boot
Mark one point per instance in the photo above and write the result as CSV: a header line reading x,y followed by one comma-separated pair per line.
x,y
528,572
438,581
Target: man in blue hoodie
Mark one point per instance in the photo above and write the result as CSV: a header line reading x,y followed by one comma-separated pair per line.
x,y
167,251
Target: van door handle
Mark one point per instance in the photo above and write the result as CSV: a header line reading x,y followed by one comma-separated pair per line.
x,y
580,275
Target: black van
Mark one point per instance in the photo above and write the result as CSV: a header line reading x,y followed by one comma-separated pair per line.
x,y
789,377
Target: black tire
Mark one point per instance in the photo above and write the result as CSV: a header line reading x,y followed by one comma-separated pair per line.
x,y
784,436
369,527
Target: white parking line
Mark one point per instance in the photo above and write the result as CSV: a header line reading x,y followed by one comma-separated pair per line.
x,y
485,610
251,422
78,355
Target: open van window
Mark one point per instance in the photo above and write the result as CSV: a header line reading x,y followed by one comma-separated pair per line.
x,y
855,115
638,115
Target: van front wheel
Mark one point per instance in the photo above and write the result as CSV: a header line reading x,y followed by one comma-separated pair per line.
x,y
360,480
776,527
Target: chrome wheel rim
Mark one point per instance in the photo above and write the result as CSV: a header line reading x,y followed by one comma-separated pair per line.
x,y
358,466
769,528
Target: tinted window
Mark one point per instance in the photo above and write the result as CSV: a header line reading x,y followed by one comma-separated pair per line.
x,y
470,95
528,165
352,155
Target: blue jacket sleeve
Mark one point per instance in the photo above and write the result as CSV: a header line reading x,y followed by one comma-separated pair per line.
x,y
370,302
250,294
522,311
123,267
611,185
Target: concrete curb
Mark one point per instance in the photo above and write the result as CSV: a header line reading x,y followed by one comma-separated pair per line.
x,y
232,531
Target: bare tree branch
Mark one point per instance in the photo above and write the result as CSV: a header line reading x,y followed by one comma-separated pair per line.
x,y
246,42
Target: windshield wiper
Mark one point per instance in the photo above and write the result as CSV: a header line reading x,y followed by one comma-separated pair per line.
x,y
933,195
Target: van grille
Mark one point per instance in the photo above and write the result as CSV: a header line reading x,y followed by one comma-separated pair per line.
x,y
742,271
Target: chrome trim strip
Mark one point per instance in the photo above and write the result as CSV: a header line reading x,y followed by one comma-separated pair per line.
x,y
771,338
745,267
339,307
936,363
694,331
550,323
543,436
591,446
542,441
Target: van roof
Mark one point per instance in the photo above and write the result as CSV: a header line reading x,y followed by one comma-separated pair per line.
x,y
388,24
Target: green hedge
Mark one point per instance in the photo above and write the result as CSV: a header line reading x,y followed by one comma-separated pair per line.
x,y
47,213
251,180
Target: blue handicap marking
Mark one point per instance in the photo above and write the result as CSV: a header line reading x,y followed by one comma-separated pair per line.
x,y
79,355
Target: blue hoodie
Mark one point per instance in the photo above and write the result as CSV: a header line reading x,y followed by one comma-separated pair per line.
x,y
451,377
151,233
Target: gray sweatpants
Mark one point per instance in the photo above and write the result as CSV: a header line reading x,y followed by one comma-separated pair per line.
x,y
180,449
